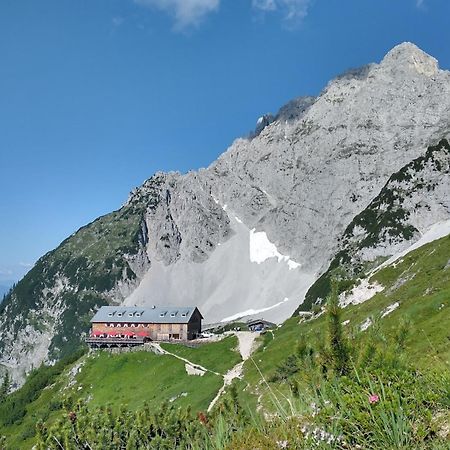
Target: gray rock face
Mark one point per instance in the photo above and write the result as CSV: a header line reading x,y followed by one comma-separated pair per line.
x,y
249,234
414,202
187,223
300,179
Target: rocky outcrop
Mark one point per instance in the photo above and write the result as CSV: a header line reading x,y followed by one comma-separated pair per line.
x,y
412,201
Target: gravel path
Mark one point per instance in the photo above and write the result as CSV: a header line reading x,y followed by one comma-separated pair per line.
x,y
246,348
194,366
246,340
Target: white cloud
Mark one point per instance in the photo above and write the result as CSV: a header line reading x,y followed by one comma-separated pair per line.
x,y
26,265
186,13
264,5
293,11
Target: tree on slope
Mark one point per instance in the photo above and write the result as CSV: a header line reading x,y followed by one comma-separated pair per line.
x,y
338,346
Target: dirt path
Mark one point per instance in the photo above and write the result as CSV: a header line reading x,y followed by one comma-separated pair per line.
x,y
246,343
246,347
194,366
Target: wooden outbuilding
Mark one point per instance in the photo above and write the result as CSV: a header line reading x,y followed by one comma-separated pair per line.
x,y
136,325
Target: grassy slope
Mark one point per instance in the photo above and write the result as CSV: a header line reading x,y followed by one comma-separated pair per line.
x,y
218,357
135,378
142,377
424,301
129,379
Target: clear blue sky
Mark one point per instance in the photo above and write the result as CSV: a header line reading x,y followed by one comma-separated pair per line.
x,y
97,95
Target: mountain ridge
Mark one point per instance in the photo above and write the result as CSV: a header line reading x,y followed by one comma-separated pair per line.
x,y
288,192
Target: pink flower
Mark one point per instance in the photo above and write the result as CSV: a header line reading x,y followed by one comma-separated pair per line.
x,y
373,398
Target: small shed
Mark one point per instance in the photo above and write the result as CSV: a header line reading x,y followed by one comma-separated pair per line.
x,y
260,325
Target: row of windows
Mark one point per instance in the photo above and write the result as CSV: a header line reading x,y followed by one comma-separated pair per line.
x,y
131,314
139,314
131,325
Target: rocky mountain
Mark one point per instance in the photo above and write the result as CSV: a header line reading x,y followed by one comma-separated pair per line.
x,y
413,200
252,233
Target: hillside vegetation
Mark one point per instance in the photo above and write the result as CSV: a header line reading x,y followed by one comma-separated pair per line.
x,y
320,382
121,380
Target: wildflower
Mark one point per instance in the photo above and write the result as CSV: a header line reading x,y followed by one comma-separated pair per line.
x,y
202,418
72,417
282,444
373,398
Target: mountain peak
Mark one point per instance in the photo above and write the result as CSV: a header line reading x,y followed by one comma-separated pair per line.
x,y
409,55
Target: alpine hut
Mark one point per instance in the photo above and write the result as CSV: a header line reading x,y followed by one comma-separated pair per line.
x,y
136,325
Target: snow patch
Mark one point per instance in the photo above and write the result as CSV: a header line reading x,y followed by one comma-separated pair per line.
x,y
360,294
252,312
262,249
293,265
389,309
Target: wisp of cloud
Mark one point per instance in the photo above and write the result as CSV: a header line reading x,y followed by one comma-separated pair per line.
x,y
186,13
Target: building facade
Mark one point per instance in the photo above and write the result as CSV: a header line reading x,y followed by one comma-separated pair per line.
x,y
146,324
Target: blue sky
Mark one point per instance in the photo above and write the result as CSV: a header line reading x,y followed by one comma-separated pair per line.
x,y
97,95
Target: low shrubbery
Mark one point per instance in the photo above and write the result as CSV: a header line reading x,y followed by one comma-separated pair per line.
x,y
390,408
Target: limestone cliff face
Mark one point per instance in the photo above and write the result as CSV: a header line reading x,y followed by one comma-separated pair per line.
x,y
413,200
252,232
302,180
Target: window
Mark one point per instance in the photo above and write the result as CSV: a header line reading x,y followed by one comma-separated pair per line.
x,y
130,314
119,314
110,314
